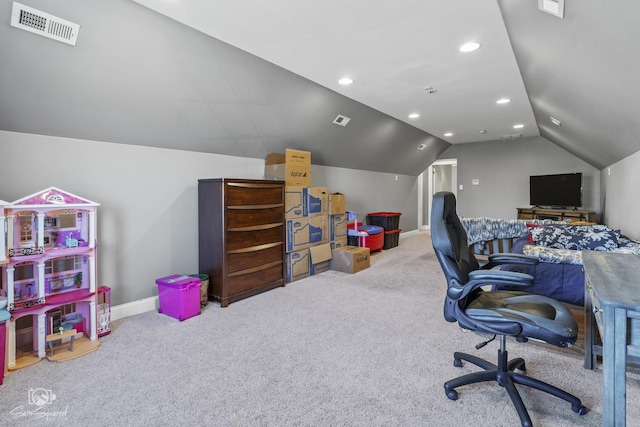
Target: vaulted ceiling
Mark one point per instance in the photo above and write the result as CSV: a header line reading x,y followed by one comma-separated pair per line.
x,y
252,77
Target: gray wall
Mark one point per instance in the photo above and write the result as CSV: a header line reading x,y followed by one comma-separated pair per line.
x,y
148,219
620,201
503,169
372,192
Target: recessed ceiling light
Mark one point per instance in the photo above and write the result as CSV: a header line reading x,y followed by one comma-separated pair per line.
x,y
345,81
414,115
518,126
553,7
483,131
470,47
503,101
448,134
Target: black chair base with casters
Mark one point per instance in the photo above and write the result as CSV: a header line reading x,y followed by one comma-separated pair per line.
x,y
500,313
504,373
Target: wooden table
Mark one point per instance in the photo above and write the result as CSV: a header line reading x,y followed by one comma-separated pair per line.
x,y
612,303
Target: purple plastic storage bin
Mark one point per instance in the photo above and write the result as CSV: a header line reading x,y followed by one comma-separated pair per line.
x,y
179,296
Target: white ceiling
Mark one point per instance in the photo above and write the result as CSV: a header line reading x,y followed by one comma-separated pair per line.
x,y
392,51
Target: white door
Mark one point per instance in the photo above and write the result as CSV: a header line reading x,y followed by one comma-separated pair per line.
x,y
442,175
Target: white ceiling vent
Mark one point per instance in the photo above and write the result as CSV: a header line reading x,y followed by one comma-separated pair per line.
x,y
511,137
46,25
341,120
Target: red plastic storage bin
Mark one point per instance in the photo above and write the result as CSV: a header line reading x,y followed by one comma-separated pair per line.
x,y
179,296
374,240
387,220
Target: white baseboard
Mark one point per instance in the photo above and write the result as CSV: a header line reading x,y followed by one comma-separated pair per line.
x,y
148,304
134,307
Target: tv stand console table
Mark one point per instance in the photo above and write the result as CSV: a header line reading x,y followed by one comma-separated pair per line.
x,y
557,214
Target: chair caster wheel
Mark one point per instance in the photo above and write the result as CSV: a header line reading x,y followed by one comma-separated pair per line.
x,y
580,410
521,368
452,394
457,363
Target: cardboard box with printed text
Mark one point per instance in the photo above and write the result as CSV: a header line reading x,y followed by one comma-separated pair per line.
x,y
298,265
350,259
297,234
316,201
294,203
293,167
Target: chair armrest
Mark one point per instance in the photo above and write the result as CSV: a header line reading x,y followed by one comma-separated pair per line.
x,y
506,258
479,278
499,277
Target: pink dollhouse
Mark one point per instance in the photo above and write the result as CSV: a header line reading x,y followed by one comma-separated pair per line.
x,y
4,314
49,277
3,243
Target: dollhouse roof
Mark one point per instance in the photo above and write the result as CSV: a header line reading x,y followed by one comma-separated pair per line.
x,y
51,197
3,203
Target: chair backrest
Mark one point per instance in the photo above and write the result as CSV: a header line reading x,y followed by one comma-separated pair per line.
x,y
449,240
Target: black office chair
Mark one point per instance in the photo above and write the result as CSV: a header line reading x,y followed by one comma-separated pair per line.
x,y
503,313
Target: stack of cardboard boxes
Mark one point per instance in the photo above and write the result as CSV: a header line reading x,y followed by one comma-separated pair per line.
x,y
316,221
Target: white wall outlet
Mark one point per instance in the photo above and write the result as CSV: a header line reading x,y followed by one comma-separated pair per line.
x,y
475,182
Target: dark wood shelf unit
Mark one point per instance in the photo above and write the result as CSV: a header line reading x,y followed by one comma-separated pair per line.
x,y
557,214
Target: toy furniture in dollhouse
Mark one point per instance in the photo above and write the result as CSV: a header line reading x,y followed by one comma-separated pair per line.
x,y
59,336
104,311
51,268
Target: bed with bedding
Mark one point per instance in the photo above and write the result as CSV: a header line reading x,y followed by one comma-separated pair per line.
x,y
559,276
558,247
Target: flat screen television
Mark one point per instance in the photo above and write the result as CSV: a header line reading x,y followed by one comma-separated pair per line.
x,y
561,190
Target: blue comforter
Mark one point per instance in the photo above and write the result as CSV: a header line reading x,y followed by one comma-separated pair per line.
x,y
562,282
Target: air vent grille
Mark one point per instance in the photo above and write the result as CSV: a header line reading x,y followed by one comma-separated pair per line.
x,y
341,120
46,25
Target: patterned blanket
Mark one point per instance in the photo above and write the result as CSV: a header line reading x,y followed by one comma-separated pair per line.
x,y
550,241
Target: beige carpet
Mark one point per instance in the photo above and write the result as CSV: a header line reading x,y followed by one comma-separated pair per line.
x,y
369,349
